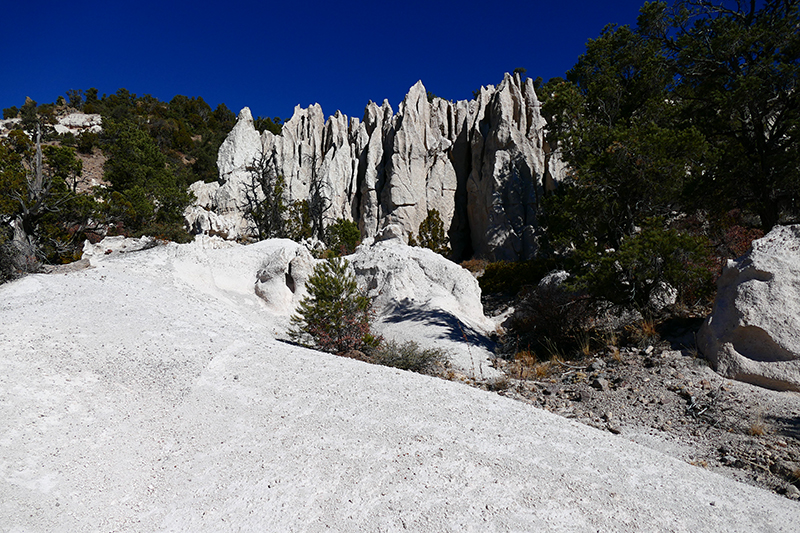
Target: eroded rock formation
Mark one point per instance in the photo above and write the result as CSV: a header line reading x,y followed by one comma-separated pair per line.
x,y
482,164
753,333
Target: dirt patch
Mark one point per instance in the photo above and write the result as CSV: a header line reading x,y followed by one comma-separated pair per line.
x,y
92,174
672,401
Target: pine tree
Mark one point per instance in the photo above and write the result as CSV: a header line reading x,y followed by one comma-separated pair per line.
x,y
432,234
335,315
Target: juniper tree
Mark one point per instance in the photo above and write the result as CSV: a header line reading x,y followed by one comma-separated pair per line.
x,y
431,234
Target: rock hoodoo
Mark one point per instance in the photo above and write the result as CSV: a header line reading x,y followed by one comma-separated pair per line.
x,y
753,333
482,164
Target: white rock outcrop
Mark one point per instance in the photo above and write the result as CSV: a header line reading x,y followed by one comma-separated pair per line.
x,y
281,279
417,296
111,246
482,164
77,123
405,281
753,332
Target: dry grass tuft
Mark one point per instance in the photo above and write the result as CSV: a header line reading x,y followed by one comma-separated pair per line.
x,y
616,354
757,427
527,366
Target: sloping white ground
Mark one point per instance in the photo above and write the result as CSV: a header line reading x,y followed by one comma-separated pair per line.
x,y
134,397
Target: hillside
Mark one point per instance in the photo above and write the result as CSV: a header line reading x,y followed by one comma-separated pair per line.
x,y
136,399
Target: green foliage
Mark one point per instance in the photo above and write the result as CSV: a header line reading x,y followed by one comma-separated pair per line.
x,y
693,111
86,142
29,116
298,221
432,234
643,261
145,191
12,179
619,130
335,315
695,108
273,125
10,112
155,149
8,270
75,98
342,237
409,356
508,277
739,75
35,196
64,165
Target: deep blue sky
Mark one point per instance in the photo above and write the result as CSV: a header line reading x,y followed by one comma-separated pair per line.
x,y
271,56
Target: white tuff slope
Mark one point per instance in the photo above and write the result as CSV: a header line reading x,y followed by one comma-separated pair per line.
x,y
147,394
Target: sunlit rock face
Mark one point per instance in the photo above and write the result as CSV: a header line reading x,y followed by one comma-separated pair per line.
x,y
753,332
482,164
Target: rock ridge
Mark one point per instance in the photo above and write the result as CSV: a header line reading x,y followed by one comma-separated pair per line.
x,y
482,164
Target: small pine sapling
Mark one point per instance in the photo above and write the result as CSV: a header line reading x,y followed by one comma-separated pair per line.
x,y
335,315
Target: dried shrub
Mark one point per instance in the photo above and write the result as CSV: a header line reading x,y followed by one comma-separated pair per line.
x,y
409,356
550,320
476,266
642,333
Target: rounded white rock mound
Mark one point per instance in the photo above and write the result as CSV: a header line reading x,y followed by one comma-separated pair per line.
x,y
281,279
753,332
403,279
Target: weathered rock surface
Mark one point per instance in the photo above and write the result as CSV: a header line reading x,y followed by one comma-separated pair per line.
x,y
405,280
282,277
482,164
75,123
95,253
417,295
753,333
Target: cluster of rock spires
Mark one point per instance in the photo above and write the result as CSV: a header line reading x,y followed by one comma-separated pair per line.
x,y
482,164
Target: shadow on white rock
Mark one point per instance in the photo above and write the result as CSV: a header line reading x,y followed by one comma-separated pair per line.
x,y
417,295
753,333
281,280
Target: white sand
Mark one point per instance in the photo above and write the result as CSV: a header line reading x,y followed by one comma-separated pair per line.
x,y
148,394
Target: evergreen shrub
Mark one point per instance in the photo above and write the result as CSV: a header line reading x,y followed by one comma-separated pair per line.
x,y
335,316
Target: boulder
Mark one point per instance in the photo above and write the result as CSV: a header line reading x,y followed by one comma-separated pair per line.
x,y
407,280
77,123
420,296
113,246
281,279
753,332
